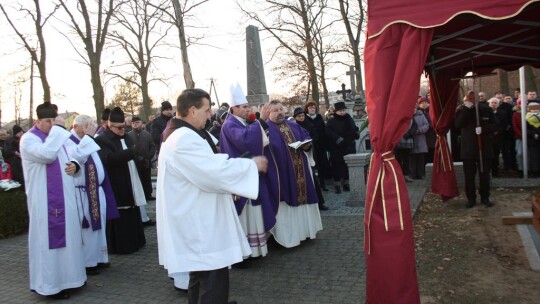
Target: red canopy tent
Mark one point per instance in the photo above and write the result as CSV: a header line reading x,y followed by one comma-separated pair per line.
x,y
446,40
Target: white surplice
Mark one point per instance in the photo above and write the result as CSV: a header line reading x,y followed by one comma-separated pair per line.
x,y
95,242
51,270
198,228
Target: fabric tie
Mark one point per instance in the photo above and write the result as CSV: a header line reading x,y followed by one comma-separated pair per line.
x,y
392,221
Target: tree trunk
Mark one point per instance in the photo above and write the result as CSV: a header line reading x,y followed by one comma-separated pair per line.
x,y
503,82
530,79
310,57
99,94
145,96
188,78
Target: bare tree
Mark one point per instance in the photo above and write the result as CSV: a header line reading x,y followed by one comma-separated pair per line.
x,y
142,31
127,95
353,16
39,53
93,31
292,25
178,17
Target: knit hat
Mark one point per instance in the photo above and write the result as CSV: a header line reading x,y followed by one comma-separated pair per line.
x,y
166,106
135,119
117,115
339,106
105,114
298,111
16,129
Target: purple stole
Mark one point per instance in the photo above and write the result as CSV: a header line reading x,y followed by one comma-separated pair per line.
x,y
100,130
56,209
92,192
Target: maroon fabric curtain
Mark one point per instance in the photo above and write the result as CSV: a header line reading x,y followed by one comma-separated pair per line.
x,y
429,13
394,62
444,96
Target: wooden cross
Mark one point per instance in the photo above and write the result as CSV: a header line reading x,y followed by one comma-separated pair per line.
x,y
343,92
352,73
56,212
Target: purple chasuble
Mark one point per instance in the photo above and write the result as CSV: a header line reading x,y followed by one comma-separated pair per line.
x,y
55,200
295,181
237,140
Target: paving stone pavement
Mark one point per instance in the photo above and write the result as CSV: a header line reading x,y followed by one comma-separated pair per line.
x,y
329,269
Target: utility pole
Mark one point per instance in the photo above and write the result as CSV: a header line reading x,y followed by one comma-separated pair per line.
x,y
30,118
213,85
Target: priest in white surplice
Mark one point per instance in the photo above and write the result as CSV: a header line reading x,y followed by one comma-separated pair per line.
x,y
95,198
54,238
199,231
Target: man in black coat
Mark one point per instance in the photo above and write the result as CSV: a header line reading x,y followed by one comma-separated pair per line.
x,y
143,140
471,136
498,137
124,234
159,124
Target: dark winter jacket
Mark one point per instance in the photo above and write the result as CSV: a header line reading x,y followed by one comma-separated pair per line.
x,y
465,119
341,132
158,125
146,147
115,160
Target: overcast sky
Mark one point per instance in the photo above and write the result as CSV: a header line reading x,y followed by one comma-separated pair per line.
x,y
224,60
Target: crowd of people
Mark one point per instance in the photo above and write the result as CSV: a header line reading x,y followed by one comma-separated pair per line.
x,y
228,183
218,201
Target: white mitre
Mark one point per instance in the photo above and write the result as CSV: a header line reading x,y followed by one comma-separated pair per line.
x,y
237,95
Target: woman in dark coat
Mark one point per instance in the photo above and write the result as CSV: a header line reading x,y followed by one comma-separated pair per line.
x,y
342,132
300,118
319,153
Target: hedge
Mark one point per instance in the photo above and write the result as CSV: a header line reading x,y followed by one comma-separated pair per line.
x,y
13,213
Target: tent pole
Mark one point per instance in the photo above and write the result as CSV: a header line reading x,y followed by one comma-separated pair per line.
x,y
524,103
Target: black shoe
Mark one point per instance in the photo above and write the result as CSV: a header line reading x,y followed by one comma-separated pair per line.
x,y
151,198
92,270
323,207
338,190
487,203
346,188
180,289
62,295
470,204
149,223
104,265
232,302
323,188
245,264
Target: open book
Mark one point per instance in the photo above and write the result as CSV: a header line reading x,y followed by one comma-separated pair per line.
x,y
297,144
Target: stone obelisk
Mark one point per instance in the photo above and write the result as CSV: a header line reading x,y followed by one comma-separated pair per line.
x,y
256,84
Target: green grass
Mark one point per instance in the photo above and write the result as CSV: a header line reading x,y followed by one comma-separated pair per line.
x,y
13,213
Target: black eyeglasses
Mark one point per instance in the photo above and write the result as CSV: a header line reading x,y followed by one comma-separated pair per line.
x,y
119,127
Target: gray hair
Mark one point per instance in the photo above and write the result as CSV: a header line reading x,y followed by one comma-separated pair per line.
x,y
494,99
82,119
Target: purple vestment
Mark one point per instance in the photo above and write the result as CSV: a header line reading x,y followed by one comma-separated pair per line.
x,y
55,200
238,140
92,192
296,185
